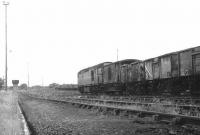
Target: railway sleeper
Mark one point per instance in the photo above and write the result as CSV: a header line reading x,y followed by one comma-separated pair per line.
x,y
177,121
124,113
156,117
116,111
78,105
84,106
188,128
89,107
140,115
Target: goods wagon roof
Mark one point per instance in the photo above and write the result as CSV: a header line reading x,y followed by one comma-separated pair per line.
x,y
175,52
96,66
139,61
127,61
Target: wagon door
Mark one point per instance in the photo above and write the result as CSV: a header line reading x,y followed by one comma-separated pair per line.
x,y
148,70
134,72
129,73
99,76
141,72
156,68
117,77
175,66
92,76
166,66
123,73
185,63
196,63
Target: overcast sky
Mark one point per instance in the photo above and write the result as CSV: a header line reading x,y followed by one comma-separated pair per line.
x,y
59,38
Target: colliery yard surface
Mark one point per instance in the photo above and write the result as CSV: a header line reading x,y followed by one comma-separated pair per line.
x,y
53,117
47,117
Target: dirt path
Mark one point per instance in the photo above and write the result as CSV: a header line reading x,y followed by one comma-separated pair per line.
x,y
10,122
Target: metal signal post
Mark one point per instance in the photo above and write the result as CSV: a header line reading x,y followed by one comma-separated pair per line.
x,y
6,66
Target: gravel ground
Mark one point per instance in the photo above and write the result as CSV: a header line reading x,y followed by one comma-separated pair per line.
x,y
52,118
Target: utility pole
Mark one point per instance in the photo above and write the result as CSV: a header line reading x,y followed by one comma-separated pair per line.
x,y
6,66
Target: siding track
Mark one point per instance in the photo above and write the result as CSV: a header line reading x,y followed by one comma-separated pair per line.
x,y
134,108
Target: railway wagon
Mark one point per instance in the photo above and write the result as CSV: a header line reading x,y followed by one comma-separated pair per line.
x,y
91,79
135,78
114,77
102,78
175,73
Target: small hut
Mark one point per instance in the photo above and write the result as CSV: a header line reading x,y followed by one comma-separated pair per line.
x,y
15,84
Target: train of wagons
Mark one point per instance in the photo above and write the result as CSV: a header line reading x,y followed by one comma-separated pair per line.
x,y
176,73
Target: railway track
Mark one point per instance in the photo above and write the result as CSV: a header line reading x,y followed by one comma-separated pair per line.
x,y
137,103
131,108
150,99
188,110
140,102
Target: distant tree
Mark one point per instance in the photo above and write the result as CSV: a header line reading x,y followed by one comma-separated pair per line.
x,y
53,85
36,87
23,86
1,83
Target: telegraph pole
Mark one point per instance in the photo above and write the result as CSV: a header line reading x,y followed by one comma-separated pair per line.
x,y
6,66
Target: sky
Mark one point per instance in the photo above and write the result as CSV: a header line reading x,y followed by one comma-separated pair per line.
x,y
53,40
